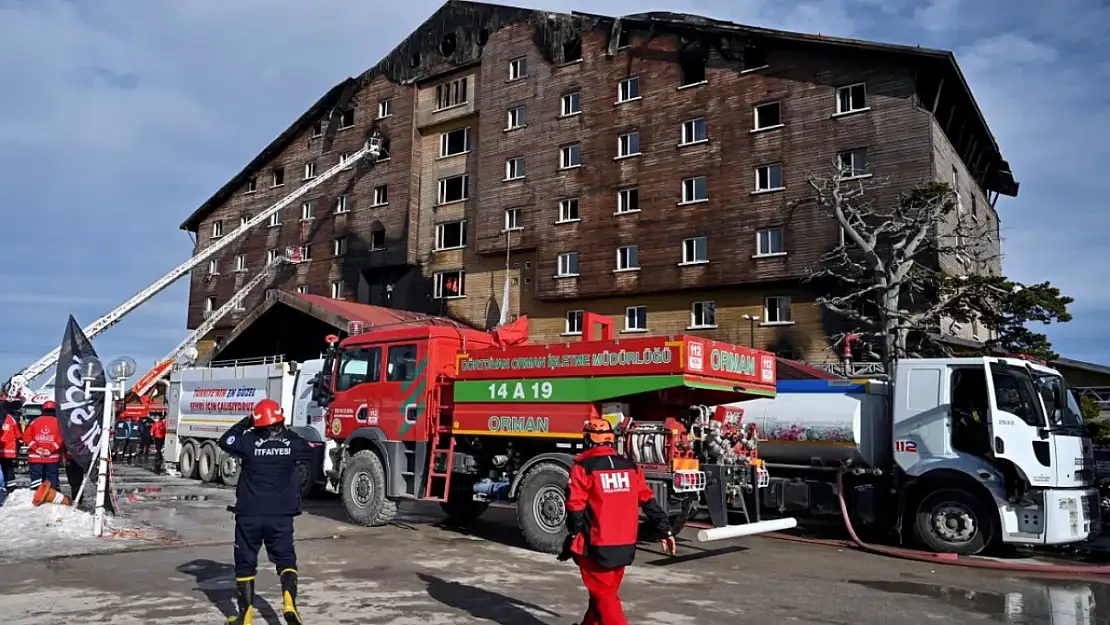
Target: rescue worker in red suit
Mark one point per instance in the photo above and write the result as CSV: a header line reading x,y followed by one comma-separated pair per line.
x,y
604,499
44,447
10,435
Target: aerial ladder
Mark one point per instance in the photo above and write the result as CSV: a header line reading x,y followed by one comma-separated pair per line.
x,y
159,371
20,383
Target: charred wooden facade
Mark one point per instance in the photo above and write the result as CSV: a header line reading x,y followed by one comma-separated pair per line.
x,y
633,166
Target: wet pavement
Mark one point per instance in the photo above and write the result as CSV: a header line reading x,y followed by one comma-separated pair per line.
x,y
418,572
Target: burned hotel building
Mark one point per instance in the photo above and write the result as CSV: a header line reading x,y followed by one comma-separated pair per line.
x,y
633,166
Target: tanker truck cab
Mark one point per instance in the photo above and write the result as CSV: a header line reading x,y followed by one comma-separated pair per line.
x,y
993,452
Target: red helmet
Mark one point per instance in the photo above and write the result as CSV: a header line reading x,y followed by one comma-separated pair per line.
x,y
49,406
267,412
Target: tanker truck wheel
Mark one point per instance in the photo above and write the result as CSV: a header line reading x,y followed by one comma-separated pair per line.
x,y
208,462
541,507
362,489
953,520
187,462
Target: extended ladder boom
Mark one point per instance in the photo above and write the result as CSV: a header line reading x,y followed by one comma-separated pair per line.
x,y
372,149
144,384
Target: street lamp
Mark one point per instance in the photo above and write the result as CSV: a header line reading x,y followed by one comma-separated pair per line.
x,y
752,320
115,381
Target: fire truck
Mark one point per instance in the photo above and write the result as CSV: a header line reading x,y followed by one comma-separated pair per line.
x,y
466,418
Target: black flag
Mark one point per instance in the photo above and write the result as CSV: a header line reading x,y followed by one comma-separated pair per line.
x,y
80,417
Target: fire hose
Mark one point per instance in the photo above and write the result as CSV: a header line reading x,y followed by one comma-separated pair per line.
x,y
949,559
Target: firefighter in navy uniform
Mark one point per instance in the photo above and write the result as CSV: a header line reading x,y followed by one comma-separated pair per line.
x,y
604,499
266,500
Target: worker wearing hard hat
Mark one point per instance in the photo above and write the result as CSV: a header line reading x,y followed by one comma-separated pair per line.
x,y
267,498
10,435
603,505
44,447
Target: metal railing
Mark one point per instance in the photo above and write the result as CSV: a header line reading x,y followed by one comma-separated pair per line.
x,y
855,370
246,362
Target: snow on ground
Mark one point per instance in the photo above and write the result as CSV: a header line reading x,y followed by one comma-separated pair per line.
x,y
49,530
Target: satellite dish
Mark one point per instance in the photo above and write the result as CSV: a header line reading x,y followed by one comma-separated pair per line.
x,y
190,354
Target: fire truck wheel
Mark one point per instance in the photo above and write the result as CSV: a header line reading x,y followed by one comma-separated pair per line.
x,y
208,462
362,488
229,470
304,480
187,463
541,507
952,520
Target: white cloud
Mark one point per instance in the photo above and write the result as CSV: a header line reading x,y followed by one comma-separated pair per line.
x,y
119,117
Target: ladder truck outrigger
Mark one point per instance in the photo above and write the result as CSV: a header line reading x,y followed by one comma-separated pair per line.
x,y
19,384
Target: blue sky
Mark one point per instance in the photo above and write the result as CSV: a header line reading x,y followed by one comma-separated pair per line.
x,y
119,117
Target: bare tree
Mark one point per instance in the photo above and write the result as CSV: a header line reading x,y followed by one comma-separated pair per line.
x,y
902,269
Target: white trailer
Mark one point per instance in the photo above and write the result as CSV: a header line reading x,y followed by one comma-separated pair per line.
x,y
1020,473
204,401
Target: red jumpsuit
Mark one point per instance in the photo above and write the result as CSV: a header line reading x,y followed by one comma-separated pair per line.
x,y
603,514
44,450
9,448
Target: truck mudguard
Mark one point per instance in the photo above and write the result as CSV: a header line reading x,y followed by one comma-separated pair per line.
x,y
562,458
376,439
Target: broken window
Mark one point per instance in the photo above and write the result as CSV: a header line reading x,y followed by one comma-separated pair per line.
x,y
624,39
347,119
692,63
755,57
377,238
572,50
277,177
448,45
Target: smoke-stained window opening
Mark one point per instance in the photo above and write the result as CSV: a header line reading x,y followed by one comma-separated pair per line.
x,y
755,56
572,50
483,37
414,60
624,39
692,62
449,44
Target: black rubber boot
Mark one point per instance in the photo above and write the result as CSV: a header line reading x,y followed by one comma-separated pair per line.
x,y
289,597
244,590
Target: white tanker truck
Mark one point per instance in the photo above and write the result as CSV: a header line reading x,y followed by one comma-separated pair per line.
x,y
967,453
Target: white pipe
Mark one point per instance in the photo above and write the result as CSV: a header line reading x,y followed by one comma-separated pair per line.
x,y
747,529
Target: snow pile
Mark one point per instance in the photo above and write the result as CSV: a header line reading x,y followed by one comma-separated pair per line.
x,y
27,531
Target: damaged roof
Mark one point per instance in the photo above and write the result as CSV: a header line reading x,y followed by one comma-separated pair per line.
x,y
476,20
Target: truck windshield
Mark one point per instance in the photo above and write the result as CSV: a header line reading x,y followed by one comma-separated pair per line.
x,y
1060,405
1016,393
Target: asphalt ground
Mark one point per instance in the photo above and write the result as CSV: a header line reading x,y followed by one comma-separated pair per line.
x,y
420,572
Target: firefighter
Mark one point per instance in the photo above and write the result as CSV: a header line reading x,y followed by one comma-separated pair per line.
x,y
44,447
158,433
10,435
604,499
267,498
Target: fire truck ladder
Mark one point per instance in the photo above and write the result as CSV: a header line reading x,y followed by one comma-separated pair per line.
x,y
372,149
441,453
211,319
